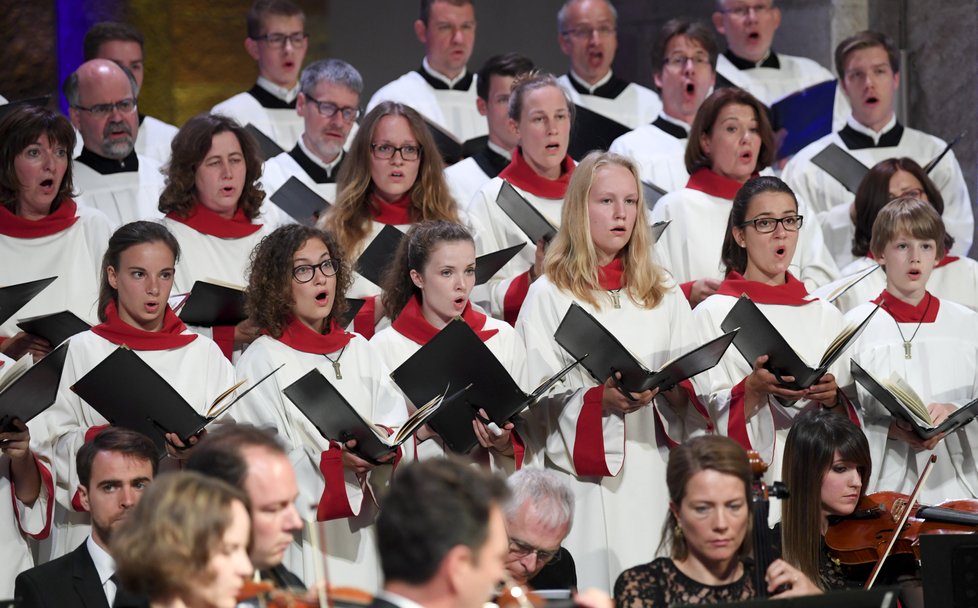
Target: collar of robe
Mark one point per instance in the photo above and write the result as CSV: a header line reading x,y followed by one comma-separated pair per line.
x,y
670,128
612,276
771,61
301,337
491,162
267,100
60,219
312,169
521,174
854,140
436,83
609,90
109,166
117,331
411,323
395,213
714,184
903,312
791,293
205,221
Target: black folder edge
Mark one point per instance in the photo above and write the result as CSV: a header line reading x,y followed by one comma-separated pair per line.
x,y
964,414
353,307
267,146
52,326
449,146
301,202
937,159
41,102
13,396
658,228
379,254
205,292
31,289
652,194
592,131
841,166
486,266
533,224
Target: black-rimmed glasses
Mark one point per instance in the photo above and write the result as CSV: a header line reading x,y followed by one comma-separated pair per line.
x,y
306,272
100,110
298,39
328,109
386,151
521,549
766,225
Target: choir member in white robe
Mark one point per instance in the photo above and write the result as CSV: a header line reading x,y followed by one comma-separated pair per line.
x,y
611,447
394,176
109,174
684,56
872,133
745,400
751,64
136,282
295,294
43,232
277,41
731,140
442,90
931,344
588,36
212,204
427,286
540,114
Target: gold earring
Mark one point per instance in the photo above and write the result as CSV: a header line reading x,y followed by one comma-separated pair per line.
x,y
677,532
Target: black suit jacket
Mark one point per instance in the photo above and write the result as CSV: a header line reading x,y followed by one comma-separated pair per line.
x,y
379,603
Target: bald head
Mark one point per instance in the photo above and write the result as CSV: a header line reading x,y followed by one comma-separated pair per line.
x,y
102,97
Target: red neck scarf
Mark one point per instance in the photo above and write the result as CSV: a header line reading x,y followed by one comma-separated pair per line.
x,y
205,221
19,228
396,213
792,293
412,325
303,338
714,184
902,312
522,175
612,276
117,331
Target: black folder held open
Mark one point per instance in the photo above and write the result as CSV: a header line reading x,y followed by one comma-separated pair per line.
x,y
524,214
213,303
584,337
55,327
300,201
26,390
379,254
15,297
489,264
267,147
592,131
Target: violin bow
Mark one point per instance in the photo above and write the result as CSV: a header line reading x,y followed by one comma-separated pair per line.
x,y
319,564
903,521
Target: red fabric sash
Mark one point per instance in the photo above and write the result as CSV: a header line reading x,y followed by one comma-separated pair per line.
x,y
902,312
205,221
714,184
522,175
792,293
947,259
412,325
302,338
396,213
612,275
19,228
117,331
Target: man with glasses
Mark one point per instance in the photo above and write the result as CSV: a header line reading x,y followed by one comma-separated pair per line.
x,y
588,36
329,104
684,58
277,41
109,174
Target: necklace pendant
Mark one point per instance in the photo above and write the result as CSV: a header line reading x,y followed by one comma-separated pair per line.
x,y
906,350
615,298
336,369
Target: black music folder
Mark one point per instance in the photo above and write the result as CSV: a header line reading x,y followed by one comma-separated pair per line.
x,y
213,303
379,254
585,338
458,358
338,421
759,337
592,131
127,392
524,215
55,327
27,390
300,201
806,115
41,102
933,163
353,306
903,403
842,166
652,194
267,148
15,297
449,146
658,228
489,264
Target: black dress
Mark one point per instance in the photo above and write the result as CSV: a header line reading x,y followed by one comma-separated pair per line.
x,y
660,584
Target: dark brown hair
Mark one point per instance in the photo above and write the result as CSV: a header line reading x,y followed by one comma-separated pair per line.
x,y
130,235
221,452
696,31
21,127
425,13
732,255
865,40
261,9
108,31
115,439
507,64
706,118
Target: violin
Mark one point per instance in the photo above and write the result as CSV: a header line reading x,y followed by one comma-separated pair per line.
x,y
760,500
271,596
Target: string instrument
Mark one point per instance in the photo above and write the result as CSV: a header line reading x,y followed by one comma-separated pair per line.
x,y
761,494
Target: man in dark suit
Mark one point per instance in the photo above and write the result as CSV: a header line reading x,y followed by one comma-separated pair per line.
x,y
114,469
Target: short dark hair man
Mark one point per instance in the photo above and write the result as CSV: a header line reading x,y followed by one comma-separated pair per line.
x,y
114,469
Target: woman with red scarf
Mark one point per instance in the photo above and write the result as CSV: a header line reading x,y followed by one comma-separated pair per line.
x,y
137,276
393,176
43,231
541,115
296,296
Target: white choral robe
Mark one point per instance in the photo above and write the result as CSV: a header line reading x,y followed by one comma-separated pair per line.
x,y
350,540
454,111
942,370
275,117
955,280
838,232
694,239
276,172
615,464
468,175
821,191
660,155
154,139
125,196
74,255
633,105
204,256
198,371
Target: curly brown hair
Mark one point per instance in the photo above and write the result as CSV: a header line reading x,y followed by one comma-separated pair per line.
x,y
20,128
190,147
269,302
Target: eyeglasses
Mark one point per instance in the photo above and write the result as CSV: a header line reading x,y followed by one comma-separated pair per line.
x,y
386,151
585,32
298,39
916,193
124,106
520,549
679,61
329,110
741,12
766,225
306,272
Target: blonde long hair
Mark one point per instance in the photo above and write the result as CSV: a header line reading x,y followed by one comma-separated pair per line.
x,y
572,262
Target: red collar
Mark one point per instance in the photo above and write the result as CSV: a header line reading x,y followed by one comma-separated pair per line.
x,y
117,331
612,276
396,213
947,259
902,312
411,323
302,338
19,228
792,293
205,221
522,175
714,184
